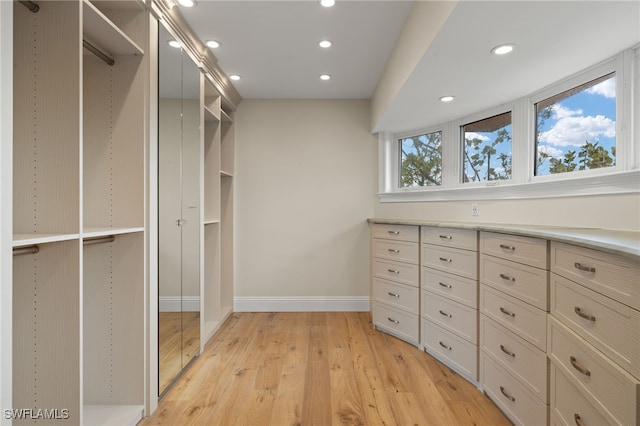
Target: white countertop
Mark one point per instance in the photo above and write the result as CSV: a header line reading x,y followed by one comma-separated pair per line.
x,y
626,243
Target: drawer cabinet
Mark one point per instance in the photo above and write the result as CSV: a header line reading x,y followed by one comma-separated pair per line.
x,y
466,239
526,250
524,282
399,296
399,322
614,276
514,301
453,287
449,297
458,353
610,388
515,400
520,318
453,316
455,261
523,361
568,406
610,326
395,281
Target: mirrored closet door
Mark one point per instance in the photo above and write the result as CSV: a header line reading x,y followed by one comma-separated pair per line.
x,y
179,209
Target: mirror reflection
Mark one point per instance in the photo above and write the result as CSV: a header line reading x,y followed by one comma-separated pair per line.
x,y
179,210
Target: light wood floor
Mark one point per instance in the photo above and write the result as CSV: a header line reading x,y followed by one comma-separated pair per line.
x,y
318,369
178,342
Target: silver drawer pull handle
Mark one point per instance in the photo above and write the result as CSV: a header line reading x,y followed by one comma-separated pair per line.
x,y
393,294
393,321
393,250
512,399
503,246
507,277
445,346
584,268
394,232
444,259
511,354
445,285
393,271
577,366
577,419
504,311
446,237
583,315
445,314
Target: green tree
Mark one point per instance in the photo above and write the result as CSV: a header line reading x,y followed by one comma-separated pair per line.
x,y
421,160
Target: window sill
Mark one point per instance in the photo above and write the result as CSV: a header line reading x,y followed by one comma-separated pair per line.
x,y
615,183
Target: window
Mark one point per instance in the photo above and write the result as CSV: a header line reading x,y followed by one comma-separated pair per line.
x,y
487,149
576,129
575,137
421,160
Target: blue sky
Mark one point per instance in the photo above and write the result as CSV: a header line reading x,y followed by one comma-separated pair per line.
x,y
589,115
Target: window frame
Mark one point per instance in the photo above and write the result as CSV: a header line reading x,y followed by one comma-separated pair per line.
x,y
621,178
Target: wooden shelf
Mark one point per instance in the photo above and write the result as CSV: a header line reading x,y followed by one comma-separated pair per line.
x,y
211,221
30,239
103,232
104,34
210,115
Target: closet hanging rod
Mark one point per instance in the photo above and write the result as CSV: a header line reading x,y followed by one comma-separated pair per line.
x,y
19,251
98,240
99,53
32,6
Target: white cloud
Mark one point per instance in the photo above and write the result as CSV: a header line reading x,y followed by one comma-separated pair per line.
x,y
474,135
560,112
575,131
607,88
551,151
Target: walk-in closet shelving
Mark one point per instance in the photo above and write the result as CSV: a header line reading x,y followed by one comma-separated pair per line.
x,y
210,290
79,210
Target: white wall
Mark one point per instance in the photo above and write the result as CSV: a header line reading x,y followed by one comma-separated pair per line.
x,y
305,185
620,212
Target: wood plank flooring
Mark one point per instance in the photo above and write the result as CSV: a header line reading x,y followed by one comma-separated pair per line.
x,y
318,368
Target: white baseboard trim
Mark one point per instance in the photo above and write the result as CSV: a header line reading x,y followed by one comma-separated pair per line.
x,y
302,304
179,304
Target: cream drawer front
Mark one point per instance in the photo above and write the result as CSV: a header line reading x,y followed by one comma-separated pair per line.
x,y
521,359
459,354
400,251
611,275
459,319
396,232
526,321
404,273
610,326
527,250
524,282
450,237
455,261
608,386
521,406
568,407
461,290
398,322
398,295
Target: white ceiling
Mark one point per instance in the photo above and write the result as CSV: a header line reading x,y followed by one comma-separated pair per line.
x,y
273,46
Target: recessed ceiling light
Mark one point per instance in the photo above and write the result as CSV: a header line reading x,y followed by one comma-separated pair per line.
x,y
447,98
502,49
325,43
327,3
174,43
325,77
213,44
235,77
187,3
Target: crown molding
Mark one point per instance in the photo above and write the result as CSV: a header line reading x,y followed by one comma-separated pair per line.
x,y
169,14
